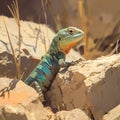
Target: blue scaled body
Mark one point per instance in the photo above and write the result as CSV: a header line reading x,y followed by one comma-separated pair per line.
x,y
45,72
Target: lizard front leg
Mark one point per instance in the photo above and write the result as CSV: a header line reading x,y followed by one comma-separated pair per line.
x,y
62,63
66,65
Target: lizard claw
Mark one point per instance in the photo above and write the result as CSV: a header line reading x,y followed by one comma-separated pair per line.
x,y
11,86
77,61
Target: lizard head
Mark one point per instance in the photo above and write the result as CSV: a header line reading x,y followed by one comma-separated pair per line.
x,y
67,38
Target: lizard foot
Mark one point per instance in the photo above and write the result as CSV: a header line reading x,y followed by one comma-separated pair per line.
x,y
70,64
38,89
11,86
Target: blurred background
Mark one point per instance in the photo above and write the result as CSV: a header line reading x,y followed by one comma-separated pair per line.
x,y
99,19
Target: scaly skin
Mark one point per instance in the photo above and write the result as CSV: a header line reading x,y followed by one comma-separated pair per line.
x,y
45,72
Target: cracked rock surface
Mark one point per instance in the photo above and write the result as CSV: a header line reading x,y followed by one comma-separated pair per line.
x,y
92,86
22,104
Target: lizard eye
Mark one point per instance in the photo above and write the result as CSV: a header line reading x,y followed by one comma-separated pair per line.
x,y
70,31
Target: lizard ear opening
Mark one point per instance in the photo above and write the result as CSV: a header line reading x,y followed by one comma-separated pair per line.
x,y
59,38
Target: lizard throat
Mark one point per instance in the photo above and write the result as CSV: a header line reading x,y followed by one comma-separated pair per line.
x,y
67,48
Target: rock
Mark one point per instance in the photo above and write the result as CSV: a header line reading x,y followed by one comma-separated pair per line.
x,y
35,37
113,114
75,114
22,104
92,86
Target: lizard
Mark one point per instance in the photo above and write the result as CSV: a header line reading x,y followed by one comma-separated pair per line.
x,y
44,73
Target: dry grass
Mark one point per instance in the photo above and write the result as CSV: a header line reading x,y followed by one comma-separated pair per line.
x,y
15,13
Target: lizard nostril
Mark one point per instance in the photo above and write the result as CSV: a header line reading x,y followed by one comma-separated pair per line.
x,y
59,38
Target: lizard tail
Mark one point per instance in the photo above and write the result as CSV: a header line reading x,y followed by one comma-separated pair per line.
x,y
38,89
